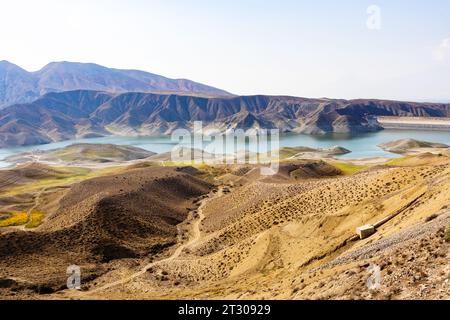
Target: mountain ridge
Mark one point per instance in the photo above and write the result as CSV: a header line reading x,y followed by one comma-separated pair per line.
x,y
83,114
18,85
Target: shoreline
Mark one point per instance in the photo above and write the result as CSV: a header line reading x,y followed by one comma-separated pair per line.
x,y
363,147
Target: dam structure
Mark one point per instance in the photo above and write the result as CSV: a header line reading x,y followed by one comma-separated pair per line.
x,y
418,123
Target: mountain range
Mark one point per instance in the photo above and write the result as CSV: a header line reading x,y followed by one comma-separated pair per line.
x,y
20,86
86,113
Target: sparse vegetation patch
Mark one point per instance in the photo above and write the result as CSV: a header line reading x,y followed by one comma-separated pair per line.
x,y
36,219
15,219
348,168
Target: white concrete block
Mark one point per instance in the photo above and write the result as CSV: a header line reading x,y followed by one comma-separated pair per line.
x,y
365,231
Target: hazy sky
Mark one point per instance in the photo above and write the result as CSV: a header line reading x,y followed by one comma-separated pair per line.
x,y
302,48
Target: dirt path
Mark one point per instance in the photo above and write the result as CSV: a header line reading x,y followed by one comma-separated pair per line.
x,y
29,214
195,237
36,203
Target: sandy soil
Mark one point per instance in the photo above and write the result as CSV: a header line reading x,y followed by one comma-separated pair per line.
x,y
283,237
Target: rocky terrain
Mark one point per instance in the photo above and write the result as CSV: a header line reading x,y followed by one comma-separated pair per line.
x,y
226,231
85,114
96,222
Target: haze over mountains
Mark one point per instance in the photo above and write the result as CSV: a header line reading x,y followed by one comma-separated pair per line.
x,y
83,114
20,86
66,100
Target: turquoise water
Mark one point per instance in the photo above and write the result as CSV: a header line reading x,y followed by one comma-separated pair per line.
x,y
362,145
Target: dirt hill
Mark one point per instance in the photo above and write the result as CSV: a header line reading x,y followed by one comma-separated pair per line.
x,y
128,215
26,173
290,236
296,239
408,145
86,153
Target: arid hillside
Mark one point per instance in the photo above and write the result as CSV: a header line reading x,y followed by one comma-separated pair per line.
x,y
150,232
295,239
97,221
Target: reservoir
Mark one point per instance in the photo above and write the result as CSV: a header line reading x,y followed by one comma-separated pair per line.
x,y
362,145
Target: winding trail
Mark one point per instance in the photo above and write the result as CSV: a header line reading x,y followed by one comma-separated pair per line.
x,y
29,214
36,203
196,234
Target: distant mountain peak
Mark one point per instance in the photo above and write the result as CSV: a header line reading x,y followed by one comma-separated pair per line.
x,y
21,86
69,64
6,64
